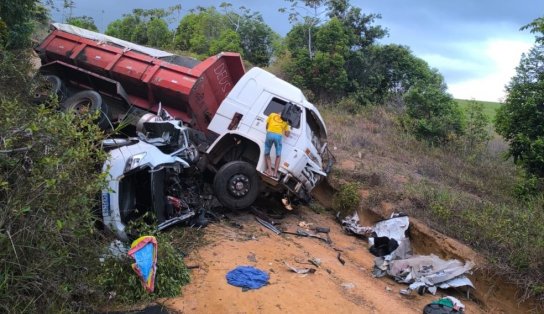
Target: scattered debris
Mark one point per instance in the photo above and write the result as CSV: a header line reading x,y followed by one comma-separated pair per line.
x,y
339,257
144,252
192,266
348,285
304,224
247,277
444,305
389,237
236,224
251,257
286,203
300,270
423,273
426,273
322,230
268,225
388,289
118,248
351,225
304,233
315,261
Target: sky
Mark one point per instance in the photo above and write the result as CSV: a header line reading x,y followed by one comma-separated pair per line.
x,y
475,44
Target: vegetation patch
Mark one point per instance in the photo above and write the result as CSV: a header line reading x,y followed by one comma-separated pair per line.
x,y
348,198
122,286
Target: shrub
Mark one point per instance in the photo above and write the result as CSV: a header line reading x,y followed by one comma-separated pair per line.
x,y
350,105
347,199
476,127
121,285
432,114
49,180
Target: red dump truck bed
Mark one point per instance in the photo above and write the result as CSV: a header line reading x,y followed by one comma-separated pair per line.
x,y
190,90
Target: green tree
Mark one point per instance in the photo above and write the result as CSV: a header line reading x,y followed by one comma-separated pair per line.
x,y
158,34
521,119
432,113
324,73
198,29
229,40
145,27
360,26
17,16
85,22
536,27
123,28
384,73
329,76
476,126
308,14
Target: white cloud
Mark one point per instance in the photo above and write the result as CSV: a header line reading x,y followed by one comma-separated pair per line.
x,y
504,55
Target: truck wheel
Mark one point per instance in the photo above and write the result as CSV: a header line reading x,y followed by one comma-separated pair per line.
x,y
236,185
47,86
87,102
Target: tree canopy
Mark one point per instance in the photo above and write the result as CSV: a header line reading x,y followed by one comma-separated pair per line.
x,y
521,119
85,22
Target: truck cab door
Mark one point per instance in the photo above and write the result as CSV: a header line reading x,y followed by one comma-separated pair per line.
x,y
278,105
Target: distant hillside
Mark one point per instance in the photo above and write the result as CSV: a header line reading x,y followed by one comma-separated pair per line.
x,y
490,108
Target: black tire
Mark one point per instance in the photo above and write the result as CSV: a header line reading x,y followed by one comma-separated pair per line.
x,y
87,102
236,185
47,86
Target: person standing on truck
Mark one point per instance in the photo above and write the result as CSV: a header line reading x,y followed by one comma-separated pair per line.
x,y
276,127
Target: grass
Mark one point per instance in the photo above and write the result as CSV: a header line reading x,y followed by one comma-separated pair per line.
x,y
463,193
490,108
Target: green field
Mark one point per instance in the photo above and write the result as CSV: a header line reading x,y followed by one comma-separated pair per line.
x,y
490,107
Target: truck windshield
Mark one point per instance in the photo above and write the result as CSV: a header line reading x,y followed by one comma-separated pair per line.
x,y
316,132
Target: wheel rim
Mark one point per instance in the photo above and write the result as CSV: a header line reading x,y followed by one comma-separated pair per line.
x,y
239,185
83,107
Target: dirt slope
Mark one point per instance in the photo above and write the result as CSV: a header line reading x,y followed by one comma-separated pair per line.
x,y
333,288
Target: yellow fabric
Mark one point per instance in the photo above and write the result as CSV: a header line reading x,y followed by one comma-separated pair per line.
x,y
275,124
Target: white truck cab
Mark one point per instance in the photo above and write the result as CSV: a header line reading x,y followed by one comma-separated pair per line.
x,y
241,117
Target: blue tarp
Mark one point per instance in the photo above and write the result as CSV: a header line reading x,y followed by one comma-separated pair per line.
x,y
247,277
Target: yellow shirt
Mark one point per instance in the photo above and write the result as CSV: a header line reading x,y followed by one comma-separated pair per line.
x,y
275,124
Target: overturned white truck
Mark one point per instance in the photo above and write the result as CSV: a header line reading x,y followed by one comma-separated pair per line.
x,y
223,106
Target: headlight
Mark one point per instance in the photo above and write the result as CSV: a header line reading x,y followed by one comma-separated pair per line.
x,y
134,161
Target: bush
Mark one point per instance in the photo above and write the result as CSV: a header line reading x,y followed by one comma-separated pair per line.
x,y
477,132
350,105
49,179
347,200
432,114
121,285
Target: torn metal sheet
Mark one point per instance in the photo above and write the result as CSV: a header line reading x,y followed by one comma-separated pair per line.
x,y
460,281
393,228
428,272
390,238
430,269
351,224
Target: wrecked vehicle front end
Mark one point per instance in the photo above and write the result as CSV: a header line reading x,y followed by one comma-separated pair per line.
x,y
150,174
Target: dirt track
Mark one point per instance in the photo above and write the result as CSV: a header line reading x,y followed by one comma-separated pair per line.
x,y
333,288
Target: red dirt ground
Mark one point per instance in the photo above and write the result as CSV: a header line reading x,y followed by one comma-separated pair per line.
x,y
333,288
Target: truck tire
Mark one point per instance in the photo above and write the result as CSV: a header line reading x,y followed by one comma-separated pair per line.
x,y
236,185
47,86
87,102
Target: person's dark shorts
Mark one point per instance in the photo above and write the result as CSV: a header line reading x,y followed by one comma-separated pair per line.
x,y
272,139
